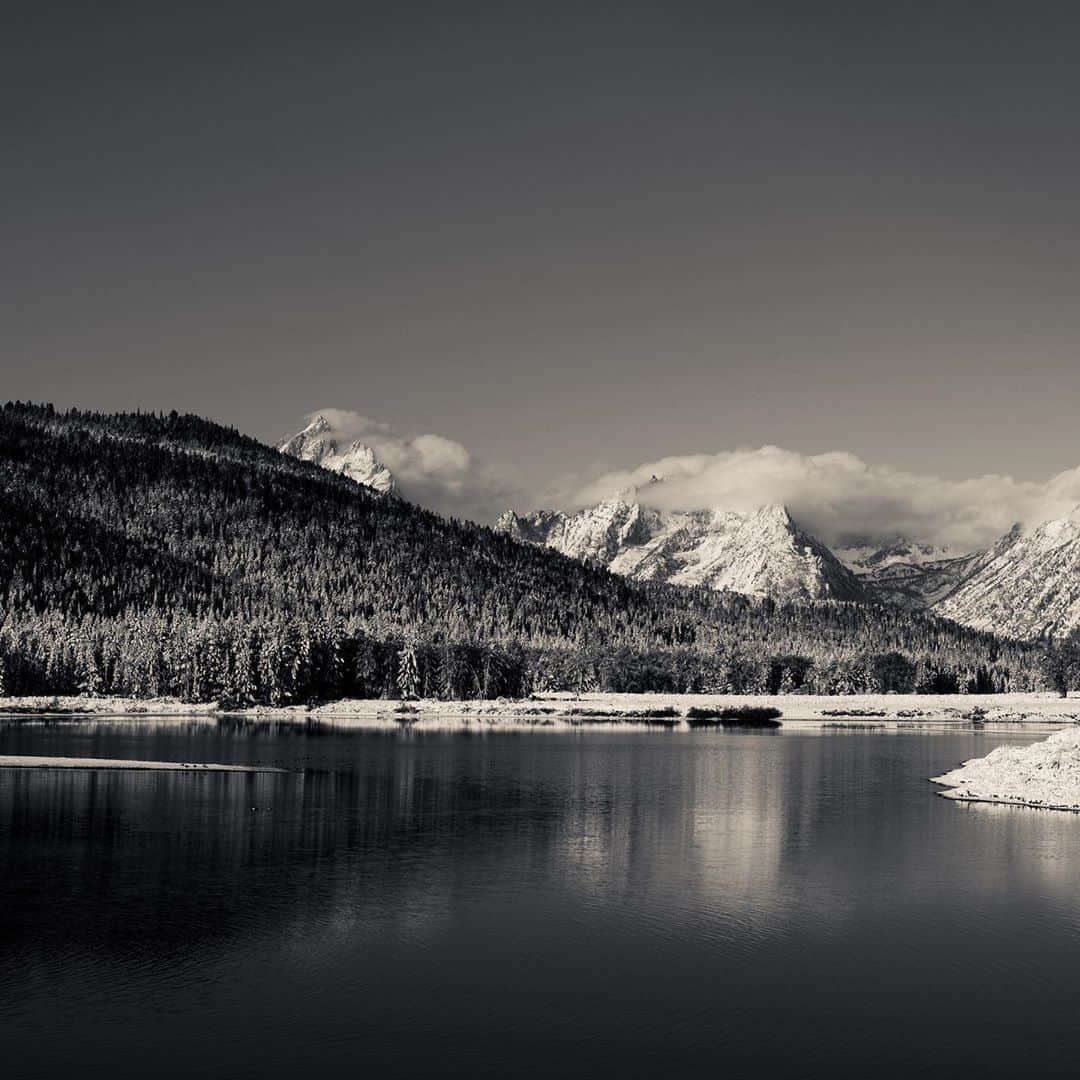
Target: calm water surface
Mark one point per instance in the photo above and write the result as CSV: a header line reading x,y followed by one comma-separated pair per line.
x,y
607,903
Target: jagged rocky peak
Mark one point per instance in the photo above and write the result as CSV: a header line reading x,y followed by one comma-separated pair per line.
x,y
761,553
530,528
309,443
598,532
316,443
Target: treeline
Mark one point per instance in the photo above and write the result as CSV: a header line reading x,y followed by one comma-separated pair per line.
x,y
146,554
240,663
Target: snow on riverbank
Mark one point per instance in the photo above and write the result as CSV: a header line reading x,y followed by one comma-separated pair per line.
x,y
557,709
82,705
568,709
36,761
1044,774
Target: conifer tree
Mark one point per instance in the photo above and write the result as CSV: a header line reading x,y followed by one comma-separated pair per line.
x,y
408,676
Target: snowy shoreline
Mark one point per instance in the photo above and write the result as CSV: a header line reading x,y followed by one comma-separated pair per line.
x,y
38,761
47,705
568,710
1044,774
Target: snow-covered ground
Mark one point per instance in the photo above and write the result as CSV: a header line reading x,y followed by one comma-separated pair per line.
x,y
1044,774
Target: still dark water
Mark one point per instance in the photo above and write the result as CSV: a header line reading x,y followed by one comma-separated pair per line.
x,y
528,904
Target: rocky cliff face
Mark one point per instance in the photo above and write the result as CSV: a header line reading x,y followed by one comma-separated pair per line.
x,y
763,553
356,461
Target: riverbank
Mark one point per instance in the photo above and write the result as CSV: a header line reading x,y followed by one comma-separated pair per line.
x,y
575,710
1044,774
37,761
82,705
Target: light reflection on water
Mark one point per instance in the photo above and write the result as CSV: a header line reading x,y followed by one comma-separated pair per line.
x,y
584,903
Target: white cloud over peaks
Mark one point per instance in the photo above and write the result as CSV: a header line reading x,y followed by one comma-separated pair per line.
x,y
838,495
430,470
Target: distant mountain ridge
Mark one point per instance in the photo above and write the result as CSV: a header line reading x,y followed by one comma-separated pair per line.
x,y
867,555
917,586
763,553
911,575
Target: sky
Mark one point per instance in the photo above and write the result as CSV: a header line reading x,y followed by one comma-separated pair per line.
x,y
574,239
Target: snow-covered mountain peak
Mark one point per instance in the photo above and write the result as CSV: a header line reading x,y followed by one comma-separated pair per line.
x,y
1026,585
358,461
774,519
773,514
762,553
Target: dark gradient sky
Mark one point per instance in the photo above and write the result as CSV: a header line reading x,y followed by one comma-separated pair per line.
x,y
561,236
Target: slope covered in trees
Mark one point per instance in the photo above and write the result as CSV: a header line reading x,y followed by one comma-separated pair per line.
x,y
152,554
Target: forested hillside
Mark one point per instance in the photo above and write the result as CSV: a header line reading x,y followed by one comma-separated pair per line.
x,y
149,554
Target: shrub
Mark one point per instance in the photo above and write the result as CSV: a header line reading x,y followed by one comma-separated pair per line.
x,y
614,715
697,712
736,716
853,712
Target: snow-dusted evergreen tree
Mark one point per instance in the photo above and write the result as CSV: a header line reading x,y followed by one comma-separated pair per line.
x,y
89,670
408,674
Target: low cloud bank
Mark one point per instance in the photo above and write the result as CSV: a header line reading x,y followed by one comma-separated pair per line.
x,y
838,496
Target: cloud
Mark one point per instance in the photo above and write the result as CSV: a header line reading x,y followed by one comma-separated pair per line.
x,y
838,496
430,470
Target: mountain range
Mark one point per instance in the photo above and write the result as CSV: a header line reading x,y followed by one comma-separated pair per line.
x,y
148,554
1026,586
